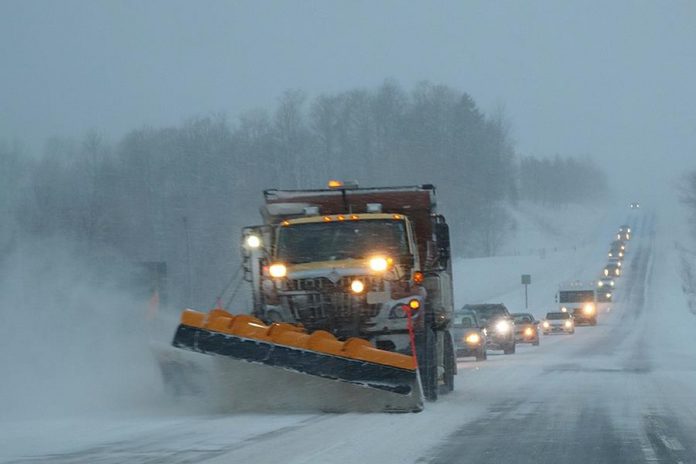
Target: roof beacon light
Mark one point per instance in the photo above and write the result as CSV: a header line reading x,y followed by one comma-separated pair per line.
x,y
334,184
339,184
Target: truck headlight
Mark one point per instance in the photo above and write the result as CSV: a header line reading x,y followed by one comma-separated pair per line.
x,y
588,308
357,286
379,263
545,324
278,270
253,241
568,324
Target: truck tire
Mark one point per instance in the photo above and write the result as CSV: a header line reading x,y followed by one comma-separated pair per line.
x,y
510,349
593,321
427,363
450,362
482,355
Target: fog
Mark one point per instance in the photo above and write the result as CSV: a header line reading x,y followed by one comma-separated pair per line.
x,y
139,135
74,340
612,81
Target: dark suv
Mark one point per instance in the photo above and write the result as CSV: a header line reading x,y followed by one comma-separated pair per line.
x,y
499,325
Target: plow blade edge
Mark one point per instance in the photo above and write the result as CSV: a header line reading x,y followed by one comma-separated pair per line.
x,y
281,365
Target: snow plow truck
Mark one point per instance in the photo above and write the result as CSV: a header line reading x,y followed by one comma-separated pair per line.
x,y
352,302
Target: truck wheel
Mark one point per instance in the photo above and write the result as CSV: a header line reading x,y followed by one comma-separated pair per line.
x,y
450,364
536,342
593,321
481,355
427,363
510,349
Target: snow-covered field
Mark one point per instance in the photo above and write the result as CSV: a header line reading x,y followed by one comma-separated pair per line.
x,y
618,392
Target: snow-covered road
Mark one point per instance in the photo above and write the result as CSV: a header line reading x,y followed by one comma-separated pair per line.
x,y
622,391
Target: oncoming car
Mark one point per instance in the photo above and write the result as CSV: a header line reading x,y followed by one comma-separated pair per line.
x,y
612,270
469,335
616,251
623,236
634,205
558,322
500,328
526,328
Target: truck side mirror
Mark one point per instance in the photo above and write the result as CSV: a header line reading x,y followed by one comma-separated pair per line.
x,y
443,241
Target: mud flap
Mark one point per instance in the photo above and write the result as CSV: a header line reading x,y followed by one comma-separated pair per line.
x,y
281,367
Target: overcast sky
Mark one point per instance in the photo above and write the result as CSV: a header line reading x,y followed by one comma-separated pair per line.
x,y
615,80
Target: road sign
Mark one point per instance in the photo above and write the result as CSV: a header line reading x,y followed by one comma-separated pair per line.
x,y
526,280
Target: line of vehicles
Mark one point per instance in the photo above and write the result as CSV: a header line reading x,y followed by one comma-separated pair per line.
x,y
482,327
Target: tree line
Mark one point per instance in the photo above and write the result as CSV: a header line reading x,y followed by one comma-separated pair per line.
x,y
181,194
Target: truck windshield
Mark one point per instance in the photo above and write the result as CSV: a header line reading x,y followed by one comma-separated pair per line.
x,y
576,296
332,241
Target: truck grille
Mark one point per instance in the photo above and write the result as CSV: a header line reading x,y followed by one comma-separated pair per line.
x,y
323,284
318,303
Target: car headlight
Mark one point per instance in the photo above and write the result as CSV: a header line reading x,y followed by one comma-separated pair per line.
x,y
278,270
473,339
600,284
568,324
588,308
502,327
545,324
564,309
528,331
611,283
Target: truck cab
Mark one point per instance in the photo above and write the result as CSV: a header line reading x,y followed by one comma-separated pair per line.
x,y
371,263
